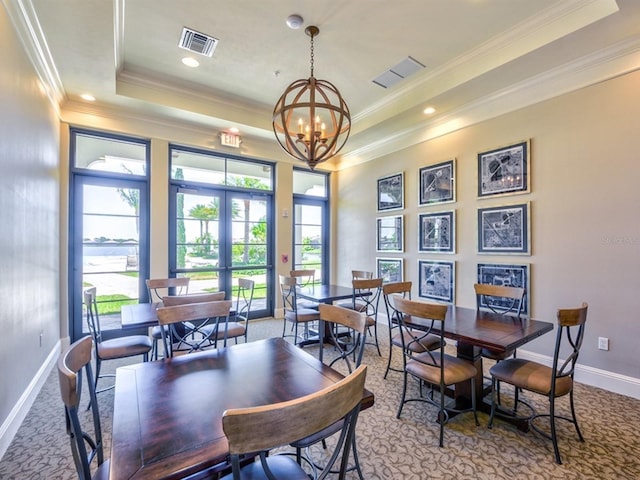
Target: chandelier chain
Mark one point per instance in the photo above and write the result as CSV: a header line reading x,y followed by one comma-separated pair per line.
x,y
312,55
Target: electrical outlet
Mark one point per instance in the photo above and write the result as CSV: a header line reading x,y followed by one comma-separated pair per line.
x,y
603,343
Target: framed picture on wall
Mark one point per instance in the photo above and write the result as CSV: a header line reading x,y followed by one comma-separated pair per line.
x,y
389,269
437,183
436,280
504,171
437,232
507,275
390,234
391,192
504,230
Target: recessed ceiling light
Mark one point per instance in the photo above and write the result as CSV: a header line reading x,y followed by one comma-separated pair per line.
x,y
191,62
234,130
429,111
88,97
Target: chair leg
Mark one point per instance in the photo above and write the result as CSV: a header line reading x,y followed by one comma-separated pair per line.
x,y
404,394
474,400
388,361
552,425
356,461
493,402
573,415
442,416
375,337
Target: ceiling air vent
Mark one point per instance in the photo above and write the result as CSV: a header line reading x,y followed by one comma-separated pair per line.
x,y
197,42
402,70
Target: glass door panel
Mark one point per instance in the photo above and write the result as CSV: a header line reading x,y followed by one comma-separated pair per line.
x,y
198,245
107,226
308,238
249,248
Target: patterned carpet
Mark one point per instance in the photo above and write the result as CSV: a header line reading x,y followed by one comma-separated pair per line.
x,y
391,448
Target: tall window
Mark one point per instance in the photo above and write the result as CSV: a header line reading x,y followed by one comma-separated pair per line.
x,y
109,226
221,209
311,222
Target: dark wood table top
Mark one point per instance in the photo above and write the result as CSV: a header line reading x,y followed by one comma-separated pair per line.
x,y
325,293
143,315
139,315
167,419
487,329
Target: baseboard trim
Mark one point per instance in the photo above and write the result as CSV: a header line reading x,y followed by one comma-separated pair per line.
x,y
17,415
595,377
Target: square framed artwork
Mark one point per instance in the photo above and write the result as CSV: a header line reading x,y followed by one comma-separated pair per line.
x,y
390,234
391,192
437,183
437,232
390,269
436,280
504,229
504,171
511,275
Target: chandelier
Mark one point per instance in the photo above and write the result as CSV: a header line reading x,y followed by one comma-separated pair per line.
x,y
311,120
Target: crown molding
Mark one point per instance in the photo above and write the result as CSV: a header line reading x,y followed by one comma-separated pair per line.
x,y
25,22
619,59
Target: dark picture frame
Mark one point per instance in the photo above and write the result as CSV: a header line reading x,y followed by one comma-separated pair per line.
x,y
504,170
390,233
436,280
437,232
391,192
390,269
512,275
437,183
504,229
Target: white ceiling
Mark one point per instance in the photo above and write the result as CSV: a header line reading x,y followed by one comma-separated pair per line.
x,y
482,58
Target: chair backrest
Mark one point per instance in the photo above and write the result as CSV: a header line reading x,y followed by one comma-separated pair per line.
x,y
361,274
571,323
84,448
367,293
244,297
288,291
305,278
212,313
93,318
173,300
161,287
501,299
433,315
356,322
402,289
283,423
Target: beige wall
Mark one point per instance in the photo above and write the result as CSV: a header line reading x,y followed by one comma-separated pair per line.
x,y
585,236
29,216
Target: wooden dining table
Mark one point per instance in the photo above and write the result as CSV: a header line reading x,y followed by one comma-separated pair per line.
x,y
324,293
474,330
167,418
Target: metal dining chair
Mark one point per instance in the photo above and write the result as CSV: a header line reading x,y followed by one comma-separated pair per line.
x,y
551,382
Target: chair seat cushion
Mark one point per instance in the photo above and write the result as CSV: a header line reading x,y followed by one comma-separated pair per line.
x,y
496,355
102,473
156,332
234,329
530,376
456,370
359,306
304,315
308,304
124,347
282,467
429,342
318,436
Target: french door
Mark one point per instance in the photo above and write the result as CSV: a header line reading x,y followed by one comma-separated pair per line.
x,y
217,236
108,248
